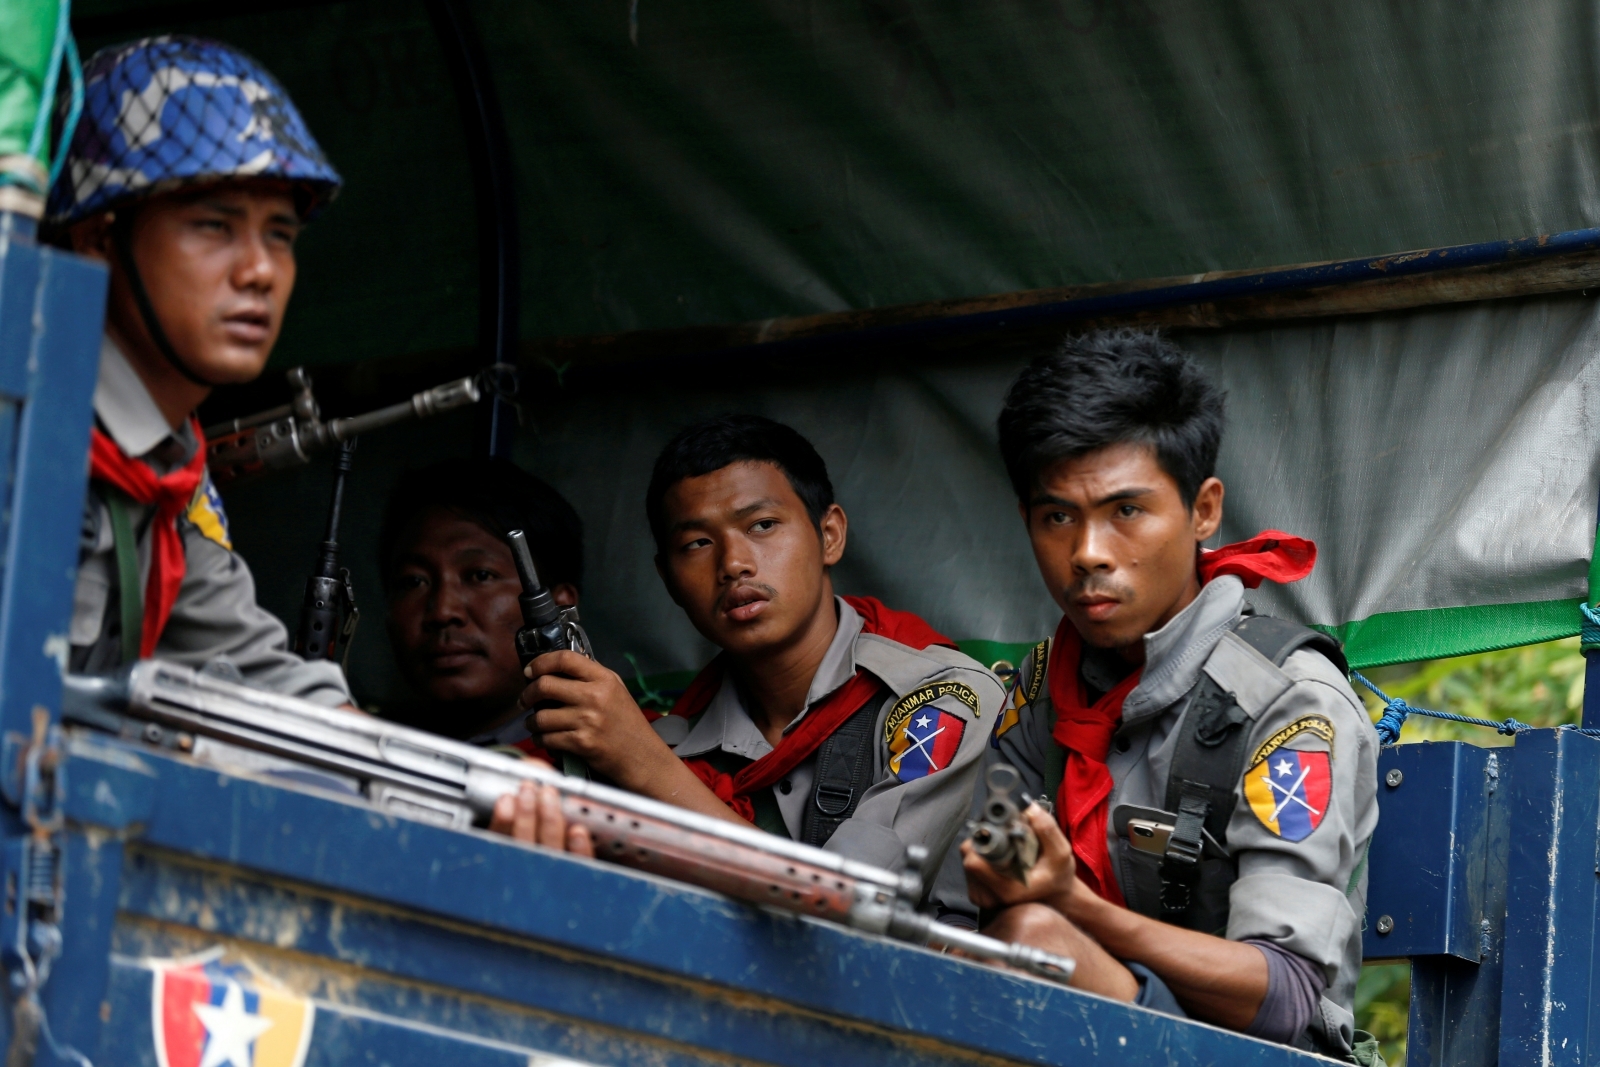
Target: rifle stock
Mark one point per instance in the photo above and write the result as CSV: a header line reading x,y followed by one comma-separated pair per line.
x,y
416,775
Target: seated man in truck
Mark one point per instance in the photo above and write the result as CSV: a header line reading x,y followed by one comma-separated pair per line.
x,y
830,720
178,181
452,592
1213,771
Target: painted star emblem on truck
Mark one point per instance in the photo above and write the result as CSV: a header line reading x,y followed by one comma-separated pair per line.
x,y
230,1030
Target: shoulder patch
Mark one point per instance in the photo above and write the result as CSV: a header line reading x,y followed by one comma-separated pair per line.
x,y
1022,693
926,695
1289,792
1315,724
1036,663
205,512
925,742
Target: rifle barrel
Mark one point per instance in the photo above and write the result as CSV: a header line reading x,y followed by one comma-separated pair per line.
x,y
419,775
429,402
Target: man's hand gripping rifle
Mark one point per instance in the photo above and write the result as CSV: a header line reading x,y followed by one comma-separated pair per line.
x,y
416,775
1002,836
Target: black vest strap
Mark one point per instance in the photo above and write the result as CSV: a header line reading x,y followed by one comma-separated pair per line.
x,y
1206,764
844,772
1207,767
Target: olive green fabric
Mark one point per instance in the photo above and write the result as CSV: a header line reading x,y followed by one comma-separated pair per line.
x,y
754,158
130,595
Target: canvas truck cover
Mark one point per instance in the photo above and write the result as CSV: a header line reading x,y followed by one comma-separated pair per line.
x,y
691,166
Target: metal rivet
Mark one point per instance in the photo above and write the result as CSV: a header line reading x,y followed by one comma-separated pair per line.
x,y
1393,779
1385,923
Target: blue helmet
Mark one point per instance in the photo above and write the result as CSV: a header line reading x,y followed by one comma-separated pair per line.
x,y
166,112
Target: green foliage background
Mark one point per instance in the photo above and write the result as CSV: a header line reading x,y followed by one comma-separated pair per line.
x,y
1541,685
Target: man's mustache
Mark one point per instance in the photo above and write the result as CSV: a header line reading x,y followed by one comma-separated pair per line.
x,y
768,592
1099,585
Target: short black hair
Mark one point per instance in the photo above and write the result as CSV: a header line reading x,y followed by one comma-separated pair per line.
x,y
724,440
1107,388
497,495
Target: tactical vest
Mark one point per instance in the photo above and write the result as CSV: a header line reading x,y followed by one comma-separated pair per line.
x,y
846,767
845,770
1188,884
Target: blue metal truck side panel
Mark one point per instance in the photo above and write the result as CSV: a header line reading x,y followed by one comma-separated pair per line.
x,y
1428,880
61,297
1438,872
404,924
1549,1005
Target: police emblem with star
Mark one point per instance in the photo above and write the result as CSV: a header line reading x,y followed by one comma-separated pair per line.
x,y
206,1013
921,738
1288,790
926,742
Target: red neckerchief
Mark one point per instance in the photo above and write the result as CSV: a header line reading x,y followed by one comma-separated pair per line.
x,y
529,747
1085,731
819,723
170,494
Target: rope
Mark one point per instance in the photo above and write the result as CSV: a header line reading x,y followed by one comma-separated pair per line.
x,y
1395,710
1589,629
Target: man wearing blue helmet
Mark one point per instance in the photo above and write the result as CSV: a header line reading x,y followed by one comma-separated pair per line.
x,y
190,174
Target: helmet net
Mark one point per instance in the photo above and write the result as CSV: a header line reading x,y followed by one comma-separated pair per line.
x,y
172,111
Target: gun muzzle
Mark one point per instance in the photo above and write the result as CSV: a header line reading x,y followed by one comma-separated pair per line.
x,y
429,402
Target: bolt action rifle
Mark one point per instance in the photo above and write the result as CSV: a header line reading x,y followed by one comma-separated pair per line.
x,y
328,612
414,775
289,435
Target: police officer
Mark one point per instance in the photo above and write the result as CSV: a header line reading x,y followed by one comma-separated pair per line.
x,y
831,720
190,175
453,592
1212,770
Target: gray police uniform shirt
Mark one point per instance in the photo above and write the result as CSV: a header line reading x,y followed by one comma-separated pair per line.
x,y
216,614
1307,897
938,687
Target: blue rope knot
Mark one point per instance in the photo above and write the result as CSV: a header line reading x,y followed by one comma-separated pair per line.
x,y
1395,710
1589,629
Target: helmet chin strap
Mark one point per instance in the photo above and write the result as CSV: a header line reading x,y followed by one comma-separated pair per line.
x,y
122,239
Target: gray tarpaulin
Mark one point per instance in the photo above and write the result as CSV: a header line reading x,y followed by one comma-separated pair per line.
x,y
734,160
740,159
1443,461
1440,459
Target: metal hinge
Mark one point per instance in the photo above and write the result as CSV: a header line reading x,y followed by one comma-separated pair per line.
x,y
31,875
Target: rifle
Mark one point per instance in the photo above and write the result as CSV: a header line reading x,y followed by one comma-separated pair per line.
x,y
289,435
546,627
414,775
1001,836
328,612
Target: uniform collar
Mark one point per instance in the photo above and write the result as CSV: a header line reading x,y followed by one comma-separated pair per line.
x,y
125,407
726,725
507,734
838,665
1174,654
